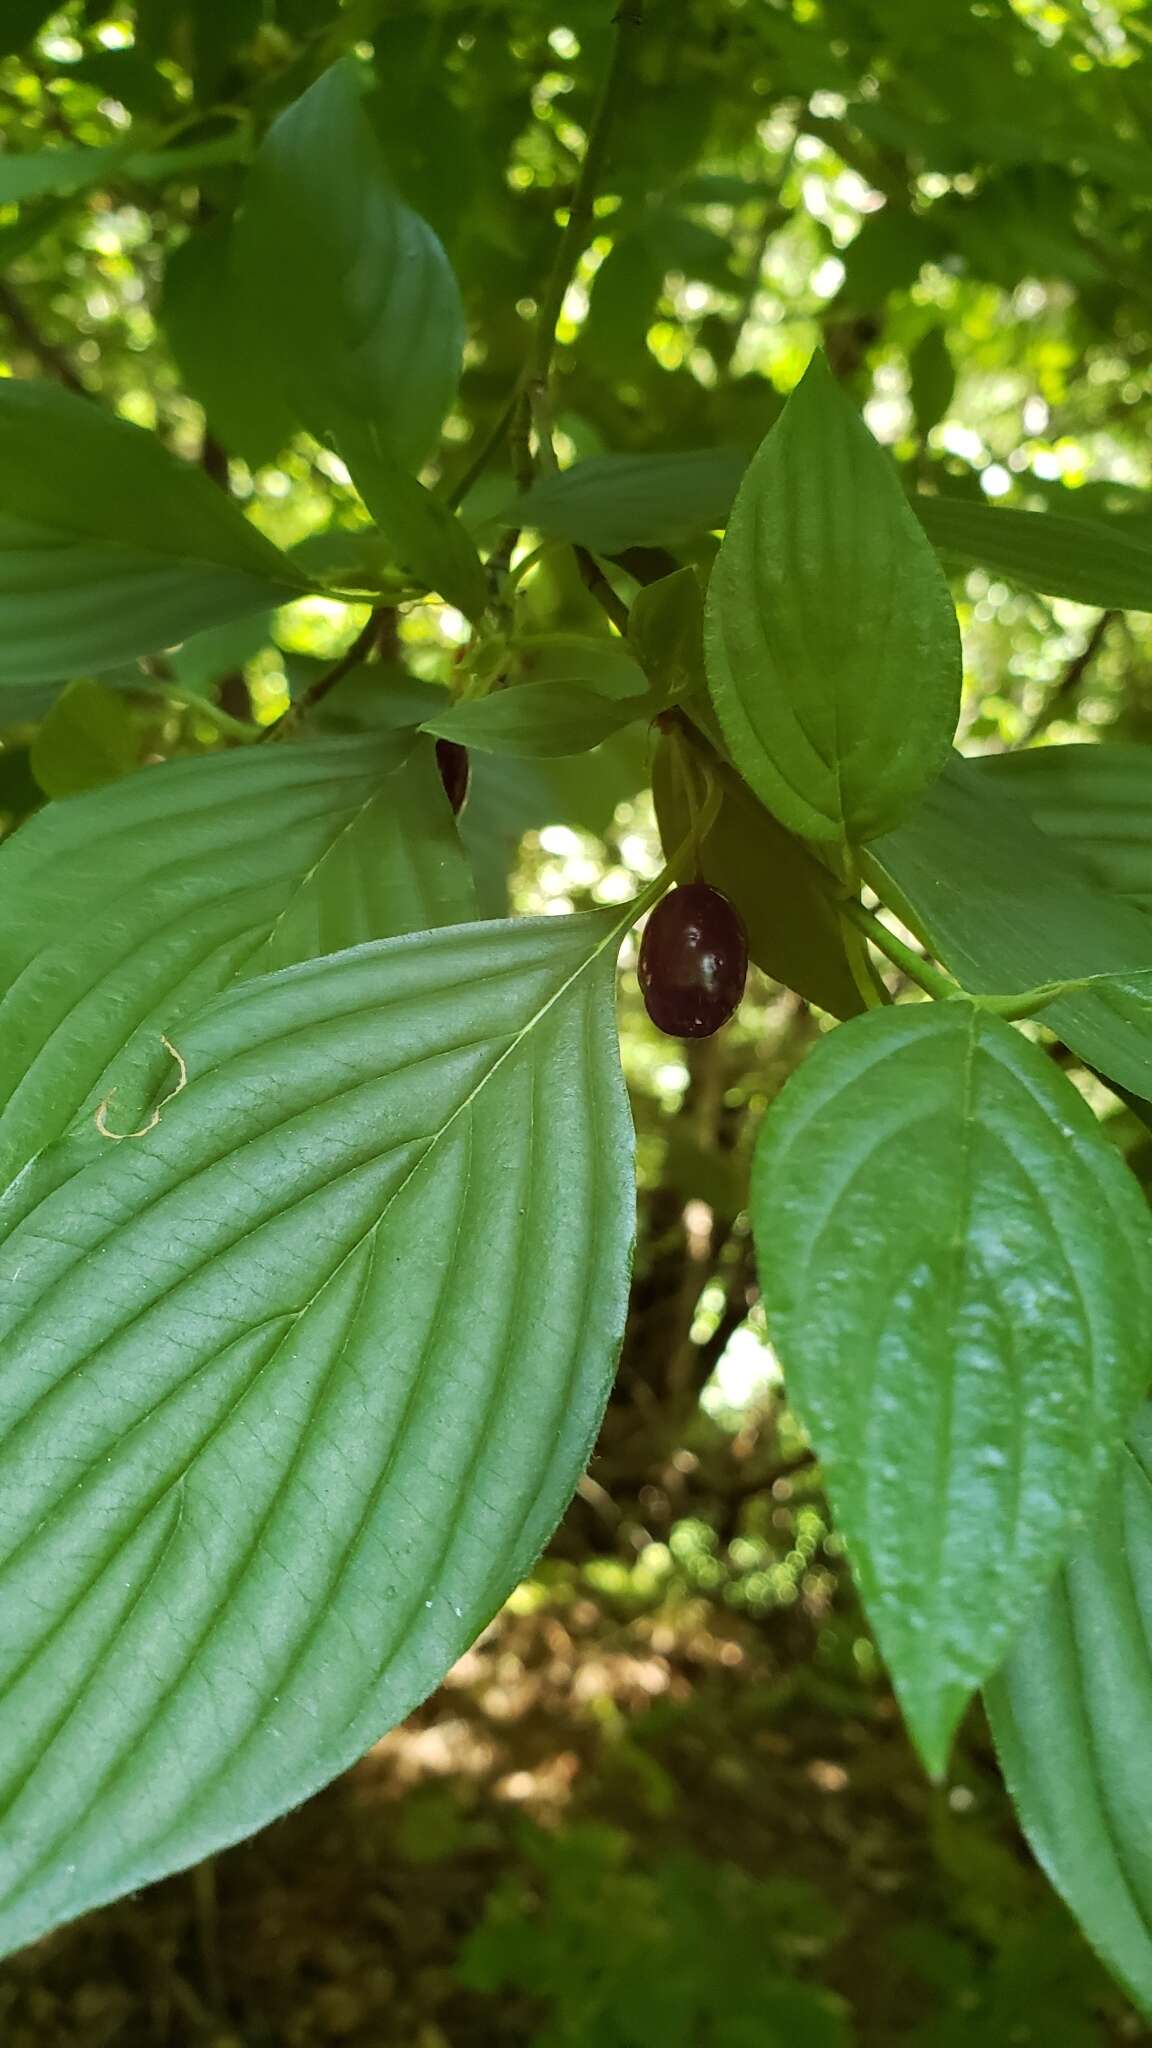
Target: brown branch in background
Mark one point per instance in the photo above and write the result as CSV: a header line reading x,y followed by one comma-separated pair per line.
x,y
581,219
233,690
214,459
1063,695
594,580
50,358
530,397
378,636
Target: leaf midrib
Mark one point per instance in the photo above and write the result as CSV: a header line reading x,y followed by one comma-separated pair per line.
x,y
370,1235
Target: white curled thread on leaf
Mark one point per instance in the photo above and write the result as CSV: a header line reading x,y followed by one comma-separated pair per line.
x,y
118,1137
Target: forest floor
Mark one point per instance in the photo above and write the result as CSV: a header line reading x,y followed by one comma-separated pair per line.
x,y
668,1828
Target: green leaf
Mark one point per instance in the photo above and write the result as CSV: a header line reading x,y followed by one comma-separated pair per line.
x,y
887,255
508,797
22,18
539,719
48,171
218,349
1093,561
361,1291
355,559
123,911
20,793
42,172
1006,909
219,651
621,307
1096,800
775,883
931,380
359,309
833,650
1068,1710
109,546
88,737
612,502
574,658
428,540
372,695
957,1274
666,632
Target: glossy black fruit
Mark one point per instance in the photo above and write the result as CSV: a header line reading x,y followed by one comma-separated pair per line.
x,y
693,961
455,770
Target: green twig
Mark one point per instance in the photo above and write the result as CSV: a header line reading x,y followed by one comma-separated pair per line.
x,y
932,980
483,456
366,639
203,707
1024,1002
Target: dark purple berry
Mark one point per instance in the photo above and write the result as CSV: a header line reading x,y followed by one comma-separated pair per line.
x,y
455,769
693,961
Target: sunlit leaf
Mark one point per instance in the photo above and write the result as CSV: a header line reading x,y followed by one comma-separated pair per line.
x,y
1096,800
210,329
361,1290
1093,561
956,1269
87,738
354,297
612,502
539,719
1006,909
123,911
109,546
832,646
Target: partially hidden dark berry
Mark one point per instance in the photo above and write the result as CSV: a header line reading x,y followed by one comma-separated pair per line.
x,y
455,770
693,961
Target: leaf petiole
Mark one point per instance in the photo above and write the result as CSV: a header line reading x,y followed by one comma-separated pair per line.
x,y
931,979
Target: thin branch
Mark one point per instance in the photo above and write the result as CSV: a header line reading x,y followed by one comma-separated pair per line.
x,y
581,213
531,387
214,459
930,978
50,358
1061,697
483,456
594,580
366,640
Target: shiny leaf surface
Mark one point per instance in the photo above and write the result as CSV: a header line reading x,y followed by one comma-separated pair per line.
x,y
539,719
957,1274
121,912
1067,1712
109,546
1096,800
361,1291
359,310
833,650
1005,908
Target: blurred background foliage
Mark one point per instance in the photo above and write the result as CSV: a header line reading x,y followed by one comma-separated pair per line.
x,y
667,1799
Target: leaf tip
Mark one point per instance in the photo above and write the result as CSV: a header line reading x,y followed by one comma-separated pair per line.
x,y
931,1716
